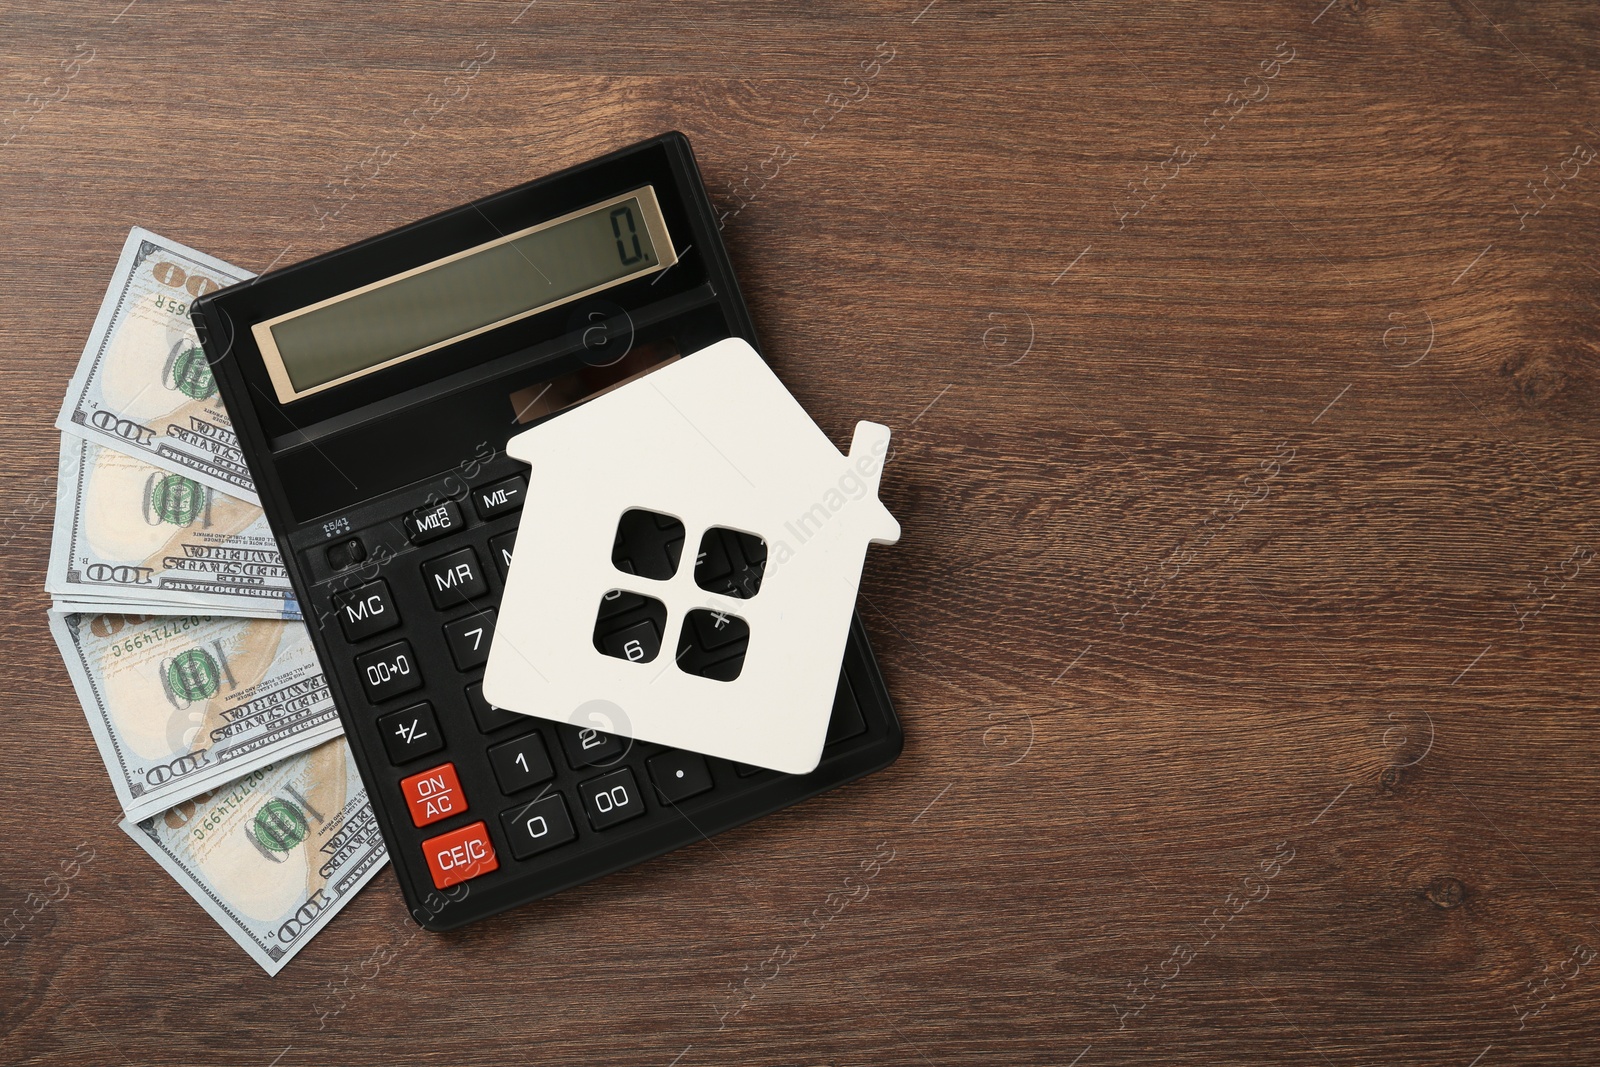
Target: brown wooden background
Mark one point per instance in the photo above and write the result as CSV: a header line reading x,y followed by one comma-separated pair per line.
x,y
1232,572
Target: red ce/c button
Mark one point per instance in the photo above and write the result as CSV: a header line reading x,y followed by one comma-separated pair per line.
x,y
434,794
459,855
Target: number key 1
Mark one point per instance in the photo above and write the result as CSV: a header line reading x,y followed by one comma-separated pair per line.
x,y
520,763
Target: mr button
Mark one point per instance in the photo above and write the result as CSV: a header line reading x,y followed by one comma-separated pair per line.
x,y
459,855
434,794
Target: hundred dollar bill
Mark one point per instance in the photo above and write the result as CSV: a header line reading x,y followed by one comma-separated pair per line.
x,y
143,385
179,704
274,855
133,535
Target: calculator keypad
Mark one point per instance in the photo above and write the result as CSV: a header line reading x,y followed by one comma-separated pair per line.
x,y
497,788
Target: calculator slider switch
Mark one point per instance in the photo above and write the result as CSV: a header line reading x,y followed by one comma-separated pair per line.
x,y
460,855
430,523
434,794
500,498
346,553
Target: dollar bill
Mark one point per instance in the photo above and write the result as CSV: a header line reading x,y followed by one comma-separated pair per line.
x,y
143,385
180,704
136,536
274,855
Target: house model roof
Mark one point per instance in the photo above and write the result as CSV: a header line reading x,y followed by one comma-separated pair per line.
x,y
713,440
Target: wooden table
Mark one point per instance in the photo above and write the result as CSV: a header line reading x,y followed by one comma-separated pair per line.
x,y
1242,360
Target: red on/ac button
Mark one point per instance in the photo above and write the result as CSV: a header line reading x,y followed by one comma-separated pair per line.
x,y
459,855
434,794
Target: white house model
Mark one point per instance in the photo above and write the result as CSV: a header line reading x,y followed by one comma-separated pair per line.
x,y
715,442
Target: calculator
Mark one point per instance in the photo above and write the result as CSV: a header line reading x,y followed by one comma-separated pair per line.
x,y
373,390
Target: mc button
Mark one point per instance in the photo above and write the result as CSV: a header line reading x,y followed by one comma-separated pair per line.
x,y
366,610
459,855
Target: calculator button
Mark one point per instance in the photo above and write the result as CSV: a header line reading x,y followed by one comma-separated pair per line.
x,y
715,629
619,602
410,733
469,639
538,826
427,524
488,717
366,610
389,671
500,498
346,553
611,798
680,775
500,549
460,855
587,747
520,764
454,579
638,643
847,721
434,794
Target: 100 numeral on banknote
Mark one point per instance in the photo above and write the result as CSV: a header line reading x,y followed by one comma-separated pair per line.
x,y
132,535
179,704
274,855
143,385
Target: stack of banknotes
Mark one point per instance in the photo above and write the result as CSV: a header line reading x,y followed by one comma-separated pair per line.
x,y
174,613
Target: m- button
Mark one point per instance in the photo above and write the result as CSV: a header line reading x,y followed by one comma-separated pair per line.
x,y
459,855
434,794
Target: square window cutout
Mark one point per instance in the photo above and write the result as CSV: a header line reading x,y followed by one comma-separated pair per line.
x,y
629,626
712,645
648,544
730,562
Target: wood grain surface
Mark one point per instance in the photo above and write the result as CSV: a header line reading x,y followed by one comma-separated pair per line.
x,y
1243,362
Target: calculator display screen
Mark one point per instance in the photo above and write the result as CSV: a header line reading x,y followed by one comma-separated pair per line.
x,y
465,293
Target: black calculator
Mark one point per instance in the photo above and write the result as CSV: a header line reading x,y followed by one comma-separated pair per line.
x,y
373,390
